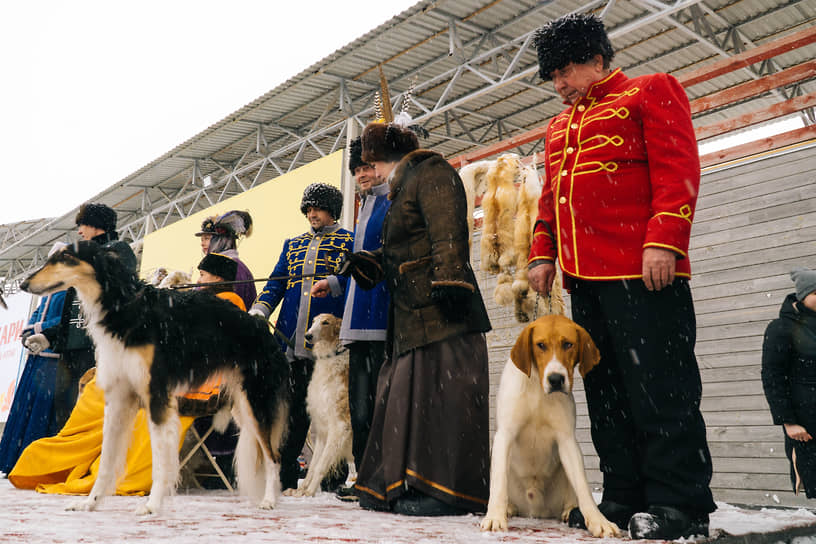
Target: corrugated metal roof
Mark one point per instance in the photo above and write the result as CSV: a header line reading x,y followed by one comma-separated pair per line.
x,y
475,84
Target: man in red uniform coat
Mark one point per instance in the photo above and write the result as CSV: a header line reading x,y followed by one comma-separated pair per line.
x,y
622,176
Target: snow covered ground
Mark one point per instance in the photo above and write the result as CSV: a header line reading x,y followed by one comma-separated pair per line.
x,y
217,516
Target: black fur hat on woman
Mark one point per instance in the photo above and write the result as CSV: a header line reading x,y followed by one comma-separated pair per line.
x,y
219,265
387,142
322,196
98,216
576,37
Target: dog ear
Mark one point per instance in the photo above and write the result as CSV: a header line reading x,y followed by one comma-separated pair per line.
x,y
589,356
522,352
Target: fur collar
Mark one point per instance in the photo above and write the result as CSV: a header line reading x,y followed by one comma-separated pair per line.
x,y
406,164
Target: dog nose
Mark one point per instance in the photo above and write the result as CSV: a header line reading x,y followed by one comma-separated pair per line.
x,y
556,382
24,285
308,336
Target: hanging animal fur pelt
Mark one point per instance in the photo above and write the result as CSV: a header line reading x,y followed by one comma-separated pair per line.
x,y
510,192
474,178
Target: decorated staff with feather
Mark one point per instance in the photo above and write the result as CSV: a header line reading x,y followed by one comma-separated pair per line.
x,y
314,254
428,451
622,176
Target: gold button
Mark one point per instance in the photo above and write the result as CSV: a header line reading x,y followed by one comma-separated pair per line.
x,y
574,125
562,200
310,262
563,173
570,150
581,107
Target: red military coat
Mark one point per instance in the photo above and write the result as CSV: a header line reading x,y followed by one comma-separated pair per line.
x,y
622,174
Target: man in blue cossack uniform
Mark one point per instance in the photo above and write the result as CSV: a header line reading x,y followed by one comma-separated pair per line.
x,y
316,251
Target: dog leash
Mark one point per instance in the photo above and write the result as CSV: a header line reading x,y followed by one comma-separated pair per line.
x,y
253,280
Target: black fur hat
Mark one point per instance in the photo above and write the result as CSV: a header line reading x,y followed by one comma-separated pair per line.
x,y
98,216
219,265
356,155
388,143
576,37
322,196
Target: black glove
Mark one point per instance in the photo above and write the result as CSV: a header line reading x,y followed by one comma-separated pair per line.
x,y
453,301
363,266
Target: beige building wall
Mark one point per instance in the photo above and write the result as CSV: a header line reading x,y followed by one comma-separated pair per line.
x,y
275,210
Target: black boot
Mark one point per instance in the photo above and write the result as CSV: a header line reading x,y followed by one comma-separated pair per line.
x,y
667,523
415,503
346,493
369,503
617,513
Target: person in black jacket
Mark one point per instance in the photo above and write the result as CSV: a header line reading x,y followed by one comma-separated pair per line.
x,y
95,222
789,378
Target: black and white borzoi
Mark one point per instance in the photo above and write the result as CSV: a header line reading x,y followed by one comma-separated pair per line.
x,y
153,343
327,401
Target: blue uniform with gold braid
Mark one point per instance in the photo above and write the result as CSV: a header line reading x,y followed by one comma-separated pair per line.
x,y
311,252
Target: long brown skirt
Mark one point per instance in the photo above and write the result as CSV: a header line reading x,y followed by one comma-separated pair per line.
x,y
431,425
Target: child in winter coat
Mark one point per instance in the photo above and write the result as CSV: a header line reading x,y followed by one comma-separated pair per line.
x,y
789,377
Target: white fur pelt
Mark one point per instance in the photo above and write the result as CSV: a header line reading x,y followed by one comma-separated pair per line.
x,y
164,278
510,192
474,178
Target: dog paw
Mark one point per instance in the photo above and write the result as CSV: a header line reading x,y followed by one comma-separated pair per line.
x,y
290,492
493,523
267,504
145,509
82,505
603,528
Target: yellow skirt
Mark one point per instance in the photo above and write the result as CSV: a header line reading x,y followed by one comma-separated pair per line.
x,y
68,463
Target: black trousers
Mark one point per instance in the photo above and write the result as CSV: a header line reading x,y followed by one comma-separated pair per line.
x,y
644,396
70,368
365,360
299,376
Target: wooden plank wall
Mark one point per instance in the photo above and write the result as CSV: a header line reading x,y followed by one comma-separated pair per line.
x,y
755,221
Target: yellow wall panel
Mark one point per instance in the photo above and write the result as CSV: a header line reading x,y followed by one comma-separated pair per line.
x,y
275,210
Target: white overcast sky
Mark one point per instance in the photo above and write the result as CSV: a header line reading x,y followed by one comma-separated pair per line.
x,y
92,90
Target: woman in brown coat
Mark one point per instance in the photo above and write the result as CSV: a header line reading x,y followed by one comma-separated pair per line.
x,y
428,451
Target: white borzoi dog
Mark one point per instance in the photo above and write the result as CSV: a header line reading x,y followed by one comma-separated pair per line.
x,y
537,469
153,343
327,402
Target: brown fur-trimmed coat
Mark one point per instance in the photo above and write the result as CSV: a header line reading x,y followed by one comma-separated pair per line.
x,y
425,244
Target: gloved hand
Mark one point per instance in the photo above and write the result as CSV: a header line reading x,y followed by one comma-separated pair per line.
x,y
36,343
363,266
27,331
255,312
453,301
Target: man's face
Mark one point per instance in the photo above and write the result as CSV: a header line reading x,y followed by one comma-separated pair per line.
x,y
574,80
205,242
382,169
318,218
365,177
206,277
87,232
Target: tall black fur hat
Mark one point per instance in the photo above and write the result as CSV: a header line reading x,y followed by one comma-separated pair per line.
x,y
356,155
322,196
576,37
387,142
219,265
98,216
